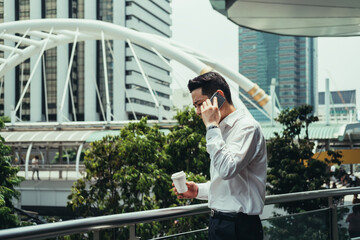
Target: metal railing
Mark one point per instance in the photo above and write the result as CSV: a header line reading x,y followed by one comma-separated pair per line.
x,y
54,171
96,224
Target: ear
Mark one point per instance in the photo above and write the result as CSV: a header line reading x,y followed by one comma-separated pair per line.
x,y
221,92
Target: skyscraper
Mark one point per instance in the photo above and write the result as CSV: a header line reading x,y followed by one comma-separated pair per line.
x,y
290,60
126,84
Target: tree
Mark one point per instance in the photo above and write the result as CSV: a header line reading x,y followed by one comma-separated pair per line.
x,y
292,169
186,147
132,172
187,144
288,152
121,172
8,180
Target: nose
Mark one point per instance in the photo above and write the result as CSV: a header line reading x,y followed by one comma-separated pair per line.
x,y
198,111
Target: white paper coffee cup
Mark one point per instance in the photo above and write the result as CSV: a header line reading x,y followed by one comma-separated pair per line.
x,y
179,180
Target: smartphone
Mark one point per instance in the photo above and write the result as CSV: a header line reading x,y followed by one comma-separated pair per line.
x,y
220,99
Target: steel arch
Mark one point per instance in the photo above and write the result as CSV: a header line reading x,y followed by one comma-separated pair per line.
x,y
54,32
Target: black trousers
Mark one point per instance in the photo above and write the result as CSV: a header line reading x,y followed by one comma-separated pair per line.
x,y
241,227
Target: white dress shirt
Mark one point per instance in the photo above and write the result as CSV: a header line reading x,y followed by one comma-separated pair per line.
x,y
238,166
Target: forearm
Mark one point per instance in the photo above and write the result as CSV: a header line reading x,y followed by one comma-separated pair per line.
x,y
230,158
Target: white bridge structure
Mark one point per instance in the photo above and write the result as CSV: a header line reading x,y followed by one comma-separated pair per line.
x,y
31,38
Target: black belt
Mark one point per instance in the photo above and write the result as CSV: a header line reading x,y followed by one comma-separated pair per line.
x,y
228,216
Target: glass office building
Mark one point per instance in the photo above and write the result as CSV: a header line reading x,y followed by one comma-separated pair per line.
x,y
125,82
290,60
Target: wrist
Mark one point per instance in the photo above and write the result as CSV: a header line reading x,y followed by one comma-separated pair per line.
x,y
211,126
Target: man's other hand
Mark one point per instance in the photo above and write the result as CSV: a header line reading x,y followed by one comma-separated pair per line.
x,y
192,191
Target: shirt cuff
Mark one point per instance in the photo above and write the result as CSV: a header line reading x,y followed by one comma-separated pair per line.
x,y
212,133
203,191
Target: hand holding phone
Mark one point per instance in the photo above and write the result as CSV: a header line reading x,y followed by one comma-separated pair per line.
x,y
220,99
209,114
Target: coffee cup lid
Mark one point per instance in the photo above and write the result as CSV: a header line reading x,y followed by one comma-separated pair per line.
x,y
178,174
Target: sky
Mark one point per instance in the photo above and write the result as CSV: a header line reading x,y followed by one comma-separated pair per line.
x,y
198,26
195,24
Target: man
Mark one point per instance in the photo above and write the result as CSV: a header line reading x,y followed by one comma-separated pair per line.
x,y
352,180
35,167
354,222
237,149
356,200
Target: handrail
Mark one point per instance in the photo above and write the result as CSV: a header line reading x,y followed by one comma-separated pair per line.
x,y
98,223
292,197
105,222
46,167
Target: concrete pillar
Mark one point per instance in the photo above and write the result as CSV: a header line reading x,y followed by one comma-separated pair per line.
x,y
36,82
9,84
351,147
90,68
327,101
47,156
60,160
62,11
273,97
118,107
327,144
315,74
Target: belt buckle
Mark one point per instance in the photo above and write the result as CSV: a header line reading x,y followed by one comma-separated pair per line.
x,y
212,212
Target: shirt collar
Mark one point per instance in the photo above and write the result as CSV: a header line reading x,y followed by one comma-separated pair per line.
x,y
230,119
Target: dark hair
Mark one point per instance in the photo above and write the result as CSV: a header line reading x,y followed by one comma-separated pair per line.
x,y
37,157
209,83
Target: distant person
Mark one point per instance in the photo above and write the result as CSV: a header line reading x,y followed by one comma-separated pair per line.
x,y
342,175
339,199
354,222
327,184
355,199
352,180
333,173
35,167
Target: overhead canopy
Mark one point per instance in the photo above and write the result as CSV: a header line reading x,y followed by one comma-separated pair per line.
x,y
75,137
321,131
45,136
313,18
64,137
